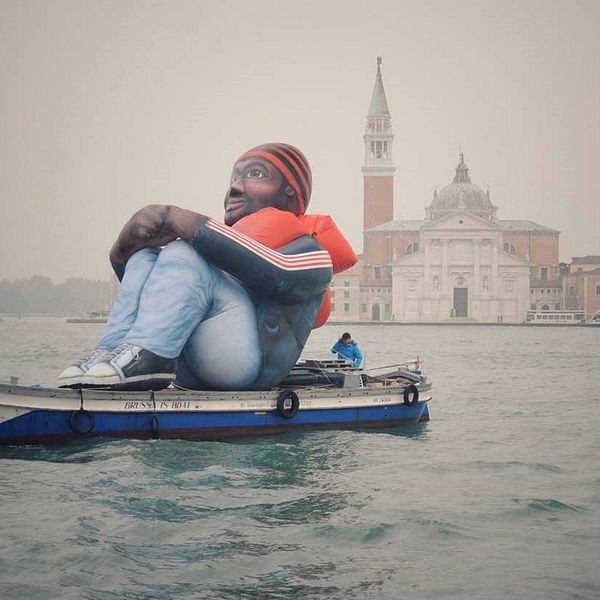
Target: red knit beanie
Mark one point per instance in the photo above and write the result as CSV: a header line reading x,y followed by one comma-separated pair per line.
x,y
292,165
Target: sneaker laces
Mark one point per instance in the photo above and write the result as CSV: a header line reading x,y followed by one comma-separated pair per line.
x,y
122,349
91,356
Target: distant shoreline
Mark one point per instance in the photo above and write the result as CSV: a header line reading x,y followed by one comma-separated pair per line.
x,y
353,323
460,324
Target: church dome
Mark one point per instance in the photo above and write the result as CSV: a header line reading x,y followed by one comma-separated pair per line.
x,y
461,193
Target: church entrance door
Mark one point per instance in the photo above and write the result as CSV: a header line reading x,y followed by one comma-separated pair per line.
x,y
375,313
461,302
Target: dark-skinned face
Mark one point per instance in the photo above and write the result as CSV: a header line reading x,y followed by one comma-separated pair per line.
x,y
255,184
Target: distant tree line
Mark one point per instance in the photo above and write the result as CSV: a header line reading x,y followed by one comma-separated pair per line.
x,y
38,295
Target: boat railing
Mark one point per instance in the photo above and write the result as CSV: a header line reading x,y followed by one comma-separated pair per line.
x,y
342,374
413,366
327,364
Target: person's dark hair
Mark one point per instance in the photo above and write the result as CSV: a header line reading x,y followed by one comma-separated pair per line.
x,y
345,336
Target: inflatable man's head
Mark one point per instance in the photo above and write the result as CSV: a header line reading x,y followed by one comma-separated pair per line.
x,y
276,175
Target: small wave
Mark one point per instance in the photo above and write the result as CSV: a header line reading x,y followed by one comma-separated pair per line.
x,y
272,586
76,452
575,588
311,508
225,545
443,527
547,504
513,464
355,533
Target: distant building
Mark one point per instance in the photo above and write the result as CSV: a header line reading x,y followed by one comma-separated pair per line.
x,y
581,286
460,262
346,295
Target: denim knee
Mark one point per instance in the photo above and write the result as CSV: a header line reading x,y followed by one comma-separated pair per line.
x,y
182,251
141,257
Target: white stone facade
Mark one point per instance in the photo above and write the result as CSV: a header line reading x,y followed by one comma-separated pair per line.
x,y
460,271
459,263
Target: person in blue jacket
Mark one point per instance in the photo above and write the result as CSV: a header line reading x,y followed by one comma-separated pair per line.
x,y
347,349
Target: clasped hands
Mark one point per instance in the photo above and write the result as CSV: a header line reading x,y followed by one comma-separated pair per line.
x,y
155,225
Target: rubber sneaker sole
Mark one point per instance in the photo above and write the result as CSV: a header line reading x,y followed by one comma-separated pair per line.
x,y
71,377
139,383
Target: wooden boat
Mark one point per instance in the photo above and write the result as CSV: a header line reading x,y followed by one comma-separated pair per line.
x,y
316,395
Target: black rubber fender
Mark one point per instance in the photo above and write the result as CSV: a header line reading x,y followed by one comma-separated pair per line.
x,y
411,395
288,404
74,418
155,427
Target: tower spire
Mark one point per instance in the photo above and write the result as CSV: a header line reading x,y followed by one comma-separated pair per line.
x,y
378,169
378,132
379,105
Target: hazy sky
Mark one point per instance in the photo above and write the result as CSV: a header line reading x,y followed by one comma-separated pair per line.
x,y
106,106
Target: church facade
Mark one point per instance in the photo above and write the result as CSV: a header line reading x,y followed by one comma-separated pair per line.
x,y
459,263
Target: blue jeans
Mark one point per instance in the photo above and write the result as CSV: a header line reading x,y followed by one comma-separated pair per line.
x,y
175,303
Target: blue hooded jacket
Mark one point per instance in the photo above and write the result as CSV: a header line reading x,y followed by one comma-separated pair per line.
x,y
349,352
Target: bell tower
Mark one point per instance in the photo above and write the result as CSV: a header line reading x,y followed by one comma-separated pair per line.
x,y
378,169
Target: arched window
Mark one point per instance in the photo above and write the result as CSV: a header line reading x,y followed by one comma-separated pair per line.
x,y
545,307
412,247
508,247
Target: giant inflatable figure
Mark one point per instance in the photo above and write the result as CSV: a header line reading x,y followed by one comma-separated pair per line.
x,y
219,306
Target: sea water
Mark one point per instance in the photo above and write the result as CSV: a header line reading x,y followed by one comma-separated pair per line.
x,y
498,496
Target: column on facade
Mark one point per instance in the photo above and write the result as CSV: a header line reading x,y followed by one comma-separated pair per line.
x,y
494,282
476,264
427,267
445,289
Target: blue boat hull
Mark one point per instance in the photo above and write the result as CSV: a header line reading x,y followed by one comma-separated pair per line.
x,y
51,426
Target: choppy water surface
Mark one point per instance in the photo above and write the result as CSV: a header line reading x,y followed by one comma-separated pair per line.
x,y
498,496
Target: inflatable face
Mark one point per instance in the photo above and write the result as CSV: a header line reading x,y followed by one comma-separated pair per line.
x,y
294,170
255,184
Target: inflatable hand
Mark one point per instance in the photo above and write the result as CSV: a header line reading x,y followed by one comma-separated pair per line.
x,y
147,227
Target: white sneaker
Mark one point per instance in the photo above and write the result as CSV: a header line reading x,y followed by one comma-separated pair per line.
x,y
131,367
73,376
